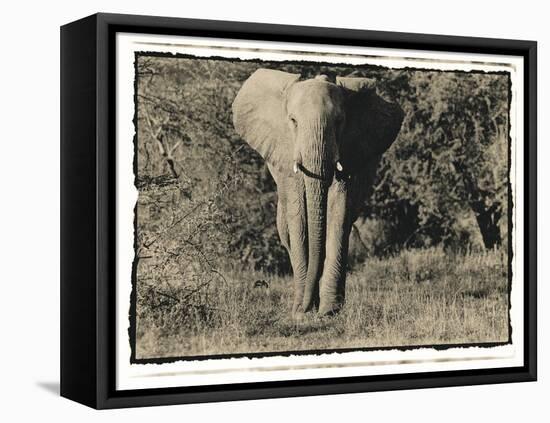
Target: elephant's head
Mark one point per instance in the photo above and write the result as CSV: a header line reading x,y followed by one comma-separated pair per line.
x,y
321,131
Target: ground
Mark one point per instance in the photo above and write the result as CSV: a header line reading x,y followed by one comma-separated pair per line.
x,y
419,297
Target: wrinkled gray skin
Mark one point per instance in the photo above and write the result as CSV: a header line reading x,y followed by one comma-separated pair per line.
x,y
322,142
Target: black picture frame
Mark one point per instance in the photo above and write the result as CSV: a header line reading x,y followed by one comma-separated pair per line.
x,y
88,210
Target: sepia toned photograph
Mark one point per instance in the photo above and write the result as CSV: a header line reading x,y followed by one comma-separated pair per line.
x,y
255,211
306,206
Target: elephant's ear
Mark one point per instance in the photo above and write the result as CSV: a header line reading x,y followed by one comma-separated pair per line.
x,y
372,124
259,116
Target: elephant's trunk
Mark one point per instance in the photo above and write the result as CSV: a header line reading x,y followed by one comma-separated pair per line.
x,y
316,185
316,197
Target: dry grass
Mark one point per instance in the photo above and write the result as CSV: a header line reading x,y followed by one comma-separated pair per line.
x,y
421,297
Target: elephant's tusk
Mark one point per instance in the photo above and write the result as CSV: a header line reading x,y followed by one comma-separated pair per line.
x,y
295,167
339,166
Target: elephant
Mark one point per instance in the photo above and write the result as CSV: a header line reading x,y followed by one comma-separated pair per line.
x,y
322,140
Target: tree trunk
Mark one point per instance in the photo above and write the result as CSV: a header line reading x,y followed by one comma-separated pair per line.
x,y
487,217
487,220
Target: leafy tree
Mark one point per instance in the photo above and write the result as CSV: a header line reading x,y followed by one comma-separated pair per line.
x,y
451,154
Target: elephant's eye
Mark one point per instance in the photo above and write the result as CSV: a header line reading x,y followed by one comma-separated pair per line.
x,y
293,121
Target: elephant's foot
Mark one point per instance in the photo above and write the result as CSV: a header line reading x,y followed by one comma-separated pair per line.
x,y
329,308
298,316
298,312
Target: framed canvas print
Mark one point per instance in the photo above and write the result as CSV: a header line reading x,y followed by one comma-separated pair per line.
x,y
257,211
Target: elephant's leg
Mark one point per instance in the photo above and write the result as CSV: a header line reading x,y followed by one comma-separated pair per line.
x,y
333,279
282,223
282,194
297,234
